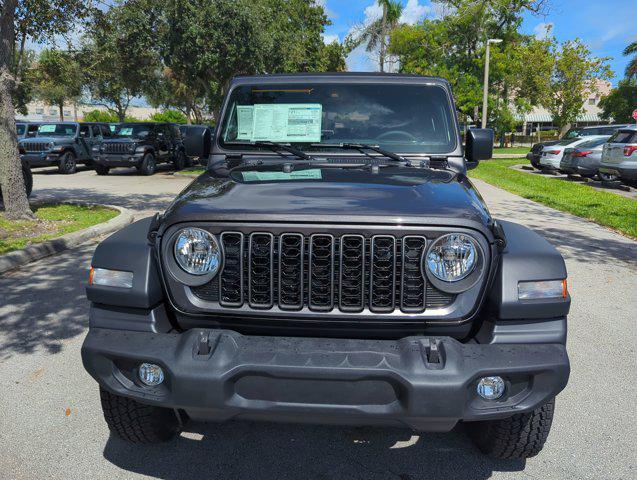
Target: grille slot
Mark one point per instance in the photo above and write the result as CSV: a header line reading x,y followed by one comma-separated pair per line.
x,y
231,277
351,283
321,272
413,288
382,275
291,254
260,270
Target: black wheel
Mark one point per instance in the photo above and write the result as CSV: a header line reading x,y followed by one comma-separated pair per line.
x,y
28,179
136,422
68,164
180,161
520,436
147,166
607,177
101,169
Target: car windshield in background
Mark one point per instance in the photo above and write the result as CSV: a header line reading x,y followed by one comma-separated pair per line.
x,y
567,141
593,143
20,128
624,136
398,118
56,129
572,134
132,131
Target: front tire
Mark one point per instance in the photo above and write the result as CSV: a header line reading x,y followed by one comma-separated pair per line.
x,y
136,422
147,166
101,169
517,437
180,161
68,164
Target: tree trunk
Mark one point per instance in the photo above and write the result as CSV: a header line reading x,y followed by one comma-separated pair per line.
x,y
14,195
61,110
383,37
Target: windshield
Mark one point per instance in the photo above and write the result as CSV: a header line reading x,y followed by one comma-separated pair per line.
x,y
398,118
20,128
593,143
132,131
56,129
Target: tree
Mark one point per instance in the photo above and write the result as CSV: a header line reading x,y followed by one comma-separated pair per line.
x,y
573,77
619,104
105,116
374,34
631,68
22,20
333,57
57,78
170,116
119,54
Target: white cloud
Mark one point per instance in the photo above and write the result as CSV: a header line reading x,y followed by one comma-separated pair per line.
x,y
329,38
543,30
414,12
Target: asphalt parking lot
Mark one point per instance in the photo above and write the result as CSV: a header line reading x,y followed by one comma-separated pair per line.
x,y
52,426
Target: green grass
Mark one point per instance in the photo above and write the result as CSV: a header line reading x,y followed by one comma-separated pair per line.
x,y
607,209
512,150
52,221
192,171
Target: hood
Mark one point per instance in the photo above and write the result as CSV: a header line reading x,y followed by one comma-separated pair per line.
x,y
393,195
56,140
121,140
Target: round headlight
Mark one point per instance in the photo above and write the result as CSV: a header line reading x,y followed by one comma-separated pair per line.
x,y
197,252
452,257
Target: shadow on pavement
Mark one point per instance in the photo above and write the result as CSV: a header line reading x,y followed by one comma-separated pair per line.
x,y
46,305
133,201
275,451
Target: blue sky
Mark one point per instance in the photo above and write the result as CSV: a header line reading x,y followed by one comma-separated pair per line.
x,y
606,26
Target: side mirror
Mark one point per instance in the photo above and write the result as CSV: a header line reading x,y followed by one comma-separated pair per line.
x,y
479,146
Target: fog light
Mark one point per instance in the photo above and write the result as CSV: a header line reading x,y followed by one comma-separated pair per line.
x,y
151,374
491,388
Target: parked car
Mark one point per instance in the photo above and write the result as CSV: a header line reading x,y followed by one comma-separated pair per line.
x,y
197,142
62,144
331,267
583,159
142,145
619,157
576,132
26,129
552,154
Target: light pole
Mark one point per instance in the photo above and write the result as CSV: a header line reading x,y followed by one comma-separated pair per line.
x,y
485,91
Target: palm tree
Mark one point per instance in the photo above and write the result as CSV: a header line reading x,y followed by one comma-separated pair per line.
x,y
631,68
374,34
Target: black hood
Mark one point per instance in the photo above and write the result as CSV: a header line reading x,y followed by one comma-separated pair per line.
x,y
56,139
393,195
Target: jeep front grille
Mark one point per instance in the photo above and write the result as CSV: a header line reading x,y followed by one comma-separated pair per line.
x,y
116,147
35,146
323,272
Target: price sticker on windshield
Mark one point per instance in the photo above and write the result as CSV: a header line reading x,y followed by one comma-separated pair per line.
x,y
293,122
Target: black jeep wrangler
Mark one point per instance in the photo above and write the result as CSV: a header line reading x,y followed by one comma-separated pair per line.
x,y
62,144
142,145
333,265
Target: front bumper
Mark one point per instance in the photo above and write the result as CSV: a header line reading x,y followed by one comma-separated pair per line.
x,y
118,160
336,381
42,159
625,170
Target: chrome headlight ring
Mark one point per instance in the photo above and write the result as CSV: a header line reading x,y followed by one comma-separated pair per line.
x,y
193,256
454,262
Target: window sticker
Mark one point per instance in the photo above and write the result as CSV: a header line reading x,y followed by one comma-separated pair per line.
x,y
47,128
310,174
293,122
245,118
126,131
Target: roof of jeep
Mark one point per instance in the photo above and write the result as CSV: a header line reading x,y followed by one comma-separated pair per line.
x,y
338,77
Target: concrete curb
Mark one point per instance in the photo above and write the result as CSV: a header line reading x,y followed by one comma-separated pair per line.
x,y
17,258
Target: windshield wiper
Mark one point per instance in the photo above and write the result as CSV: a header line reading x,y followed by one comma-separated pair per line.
x,y
278,148
361,147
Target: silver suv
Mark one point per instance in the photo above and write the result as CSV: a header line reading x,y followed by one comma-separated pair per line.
x,y
619,157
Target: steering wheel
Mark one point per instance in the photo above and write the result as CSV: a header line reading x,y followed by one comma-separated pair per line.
x,y
396,133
